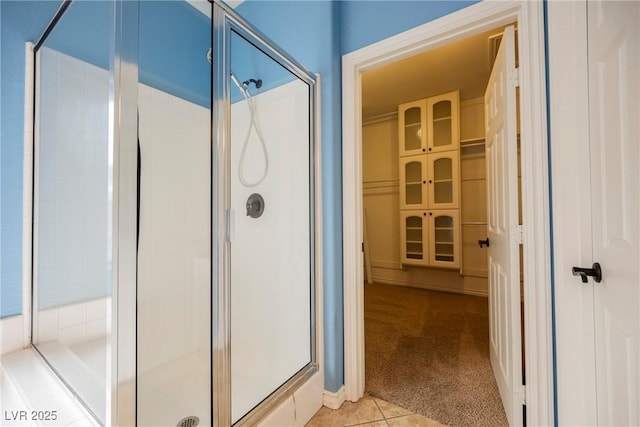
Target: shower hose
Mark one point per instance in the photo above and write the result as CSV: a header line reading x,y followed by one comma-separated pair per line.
x,y
253,125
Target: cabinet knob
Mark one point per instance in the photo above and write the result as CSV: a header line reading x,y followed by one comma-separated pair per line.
x,y
429,148
423,150
424,213
430,213
430,181
424,182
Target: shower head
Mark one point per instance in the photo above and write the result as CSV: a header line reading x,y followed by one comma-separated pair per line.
x,y
258,83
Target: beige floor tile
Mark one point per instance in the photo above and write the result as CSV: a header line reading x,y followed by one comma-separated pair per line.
x,y
363,411
389,410
414,420
382,423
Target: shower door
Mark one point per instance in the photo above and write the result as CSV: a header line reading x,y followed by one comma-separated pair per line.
x,y
266,206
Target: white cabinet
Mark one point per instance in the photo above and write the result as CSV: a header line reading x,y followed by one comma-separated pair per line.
x,y
430,237
414,237
413,179
444,180
443,119
429,165
444,238
412,128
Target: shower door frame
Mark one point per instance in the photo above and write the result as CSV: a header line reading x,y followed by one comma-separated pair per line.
x,y
224,21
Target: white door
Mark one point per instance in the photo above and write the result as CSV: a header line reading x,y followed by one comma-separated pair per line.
x,y
614,134
502,194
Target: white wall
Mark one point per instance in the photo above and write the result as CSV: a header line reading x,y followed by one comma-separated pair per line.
x,y
381,205
174,297
71,198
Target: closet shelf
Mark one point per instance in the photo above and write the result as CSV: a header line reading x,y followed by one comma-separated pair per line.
x,y
473,142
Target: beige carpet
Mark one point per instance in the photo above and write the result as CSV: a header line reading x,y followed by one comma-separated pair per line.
x,y
428,352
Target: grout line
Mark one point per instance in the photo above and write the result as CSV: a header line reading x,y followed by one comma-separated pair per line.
x,y
384,417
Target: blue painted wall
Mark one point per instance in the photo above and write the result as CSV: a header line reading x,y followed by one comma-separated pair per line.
x,y
174,40
365,22
21,21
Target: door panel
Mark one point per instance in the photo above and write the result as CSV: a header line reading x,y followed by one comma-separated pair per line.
x,y
614,93
502,187
413,194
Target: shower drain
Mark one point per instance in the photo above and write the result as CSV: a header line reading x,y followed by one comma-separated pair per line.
x,y
191,421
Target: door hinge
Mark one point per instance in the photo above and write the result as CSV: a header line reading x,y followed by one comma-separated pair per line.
x,y
362,246
520,394
516,233
514,77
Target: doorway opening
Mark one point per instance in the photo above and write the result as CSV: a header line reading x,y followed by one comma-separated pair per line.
x,y
426,307
535,310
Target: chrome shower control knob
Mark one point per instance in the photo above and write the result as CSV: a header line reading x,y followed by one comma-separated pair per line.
x,y
255,205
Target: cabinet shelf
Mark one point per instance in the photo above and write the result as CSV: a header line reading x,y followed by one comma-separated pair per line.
x,y
441,119
472,142
443,243
413,183
410,125
436,181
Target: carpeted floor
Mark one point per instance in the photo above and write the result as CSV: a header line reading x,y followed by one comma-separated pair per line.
x,y
428,352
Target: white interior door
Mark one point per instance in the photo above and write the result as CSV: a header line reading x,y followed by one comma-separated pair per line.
x,y
502,194
614,134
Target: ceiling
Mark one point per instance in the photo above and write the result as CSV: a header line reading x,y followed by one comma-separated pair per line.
x,y
463,65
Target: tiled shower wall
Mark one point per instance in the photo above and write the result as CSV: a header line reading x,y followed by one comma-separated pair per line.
x,y
71,203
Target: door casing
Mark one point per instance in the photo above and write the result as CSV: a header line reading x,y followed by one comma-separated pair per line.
x,y
474,19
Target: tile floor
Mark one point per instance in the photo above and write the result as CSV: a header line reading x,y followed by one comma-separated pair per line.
x,y
372,412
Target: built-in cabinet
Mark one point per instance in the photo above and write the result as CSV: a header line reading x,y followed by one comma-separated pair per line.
x,y
429,166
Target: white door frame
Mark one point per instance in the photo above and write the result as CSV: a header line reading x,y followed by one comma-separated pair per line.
x,y
535,180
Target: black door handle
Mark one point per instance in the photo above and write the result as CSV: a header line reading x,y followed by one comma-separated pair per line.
x,y
484,242
595,271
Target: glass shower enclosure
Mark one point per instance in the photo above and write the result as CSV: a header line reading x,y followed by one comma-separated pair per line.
x,y
174,213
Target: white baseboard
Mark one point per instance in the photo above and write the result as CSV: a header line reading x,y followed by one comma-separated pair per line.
x,y
334,400
474,292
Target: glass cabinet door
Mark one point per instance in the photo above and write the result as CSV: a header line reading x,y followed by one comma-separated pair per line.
x,y
444,230
443,114
444,180
414,237
412,119
413,182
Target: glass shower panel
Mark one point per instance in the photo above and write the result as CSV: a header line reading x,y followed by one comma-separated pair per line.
x,y
72,240
174,242
271,257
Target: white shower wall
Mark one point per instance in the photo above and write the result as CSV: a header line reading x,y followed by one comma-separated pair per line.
x,y
270,255
71,201
174,285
